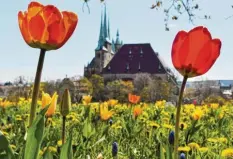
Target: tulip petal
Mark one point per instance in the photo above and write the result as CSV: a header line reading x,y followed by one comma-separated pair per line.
x,y
192,45
46,99
213,47
53,105
177,43
50,15
36,27
70,21
56,33
23,25
33,9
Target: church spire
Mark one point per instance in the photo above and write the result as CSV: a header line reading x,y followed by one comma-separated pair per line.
x,y
101,40
105,31
109,29
118,42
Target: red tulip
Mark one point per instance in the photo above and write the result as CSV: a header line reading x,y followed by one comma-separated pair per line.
x,y
45,27
195,52
133,98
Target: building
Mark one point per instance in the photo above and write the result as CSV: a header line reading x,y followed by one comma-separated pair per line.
x,y
214,87
115,60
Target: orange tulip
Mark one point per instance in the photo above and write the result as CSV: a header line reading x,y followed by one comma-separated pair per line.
x,y
195,52
137,111
133,98
45,27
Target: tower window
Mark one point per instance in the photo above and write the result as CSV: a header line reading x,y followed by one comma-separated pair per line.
x,y
127,67
141,53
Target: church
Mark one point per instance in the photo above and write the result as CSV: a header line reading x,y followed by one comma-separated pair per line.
x,y
115,60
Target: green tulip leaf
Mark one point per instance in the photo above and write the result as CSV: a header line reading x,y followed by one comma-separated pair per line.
x,y
66,150
35,135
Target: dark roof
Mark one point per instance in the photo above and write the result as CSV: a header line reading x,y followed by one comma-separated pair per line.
x,y
135,58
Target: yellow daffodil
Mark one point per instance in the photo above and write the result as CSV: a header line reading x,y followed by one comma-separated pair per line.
x,y
153,124
222,140
227,153
112,102
59,143
50,149
197,114
87,99
184,149
203,149
105,114
168,126
5,103
214,105
213,140
160,104
194,145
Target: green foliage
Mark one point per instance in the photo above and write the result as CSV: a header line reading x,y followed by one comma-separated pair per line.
x,y
98,87
144,136
87,86
35,136
119,90
66,151
214,99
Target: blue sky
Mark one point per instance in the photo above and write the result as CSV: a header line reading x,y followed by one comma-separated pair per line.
x,y
136,23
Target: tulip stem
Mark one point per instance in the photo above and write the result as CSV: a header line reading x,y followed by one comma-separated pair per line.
x,y
36,86
178,117
63,129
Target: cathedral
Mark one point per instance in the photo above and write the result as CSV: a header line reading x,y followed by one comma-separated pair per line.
x,y
115,60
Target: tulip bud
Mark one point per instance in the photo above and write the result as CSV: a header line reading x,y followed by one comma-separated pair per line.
x,y
114,149
65,103
182,156
171,137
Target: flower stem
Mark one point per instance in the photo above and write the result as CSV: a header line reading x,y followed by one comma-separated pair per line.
x,y
178,117
36,86
63,129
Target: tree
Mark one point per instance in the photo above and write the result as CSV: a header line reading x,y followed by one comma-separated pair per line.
x,y
84,87
119,90
97,82
141,81
50,87
160,90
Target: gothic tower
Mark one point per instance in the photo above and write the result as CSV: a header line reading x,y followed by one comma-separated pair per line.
x,y
118,44
103,52
105,49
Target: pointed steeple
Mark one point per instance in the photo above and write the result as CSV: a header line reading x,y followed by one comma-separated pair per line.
x,y
109,37
118,42
101,35
105,31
